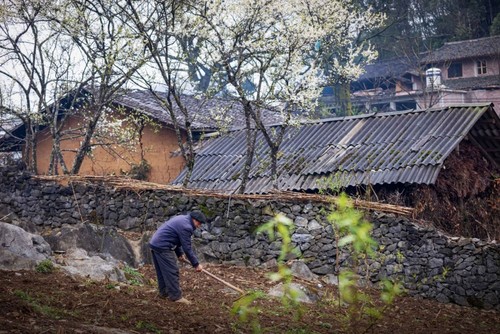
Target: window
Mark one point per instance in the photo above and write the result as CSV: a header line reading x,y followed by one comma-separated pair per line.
x,y
481,67
455,70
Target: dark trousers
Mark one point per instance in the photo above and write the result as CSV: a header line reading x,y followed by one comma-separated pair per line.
x,y
167,272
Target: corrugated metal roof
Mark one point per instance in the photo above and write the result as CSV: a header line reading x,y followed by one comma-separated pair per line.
x,y
406,147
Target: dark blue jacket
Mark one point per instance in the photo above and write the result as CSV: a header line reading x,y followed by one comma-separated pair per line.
x,y
175,234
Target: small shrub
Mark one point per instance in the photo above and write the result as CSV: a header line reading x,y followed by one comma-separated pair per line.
x,y
45,267
133,276
147,326
140,171
279,226
111,286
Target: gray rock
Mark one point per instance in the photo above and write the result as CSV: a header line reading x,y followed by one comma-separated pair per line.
x,y
301,222
270,264
78,263
331,279
129,223
323,270
301,238
304,295
301,270
435,263
20,249
92,238
314,225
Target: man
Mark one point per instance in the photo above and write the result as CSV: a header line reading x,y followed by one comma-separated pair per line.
x,y
170,242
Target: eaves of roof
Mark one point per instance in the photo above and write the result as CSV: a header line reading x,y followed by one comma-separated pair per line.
x,y
474,48
482,82
391,68
390,148
205,114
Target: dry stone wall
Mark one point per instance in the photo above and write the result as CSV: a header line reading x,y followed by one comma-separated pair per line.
x,y
430,264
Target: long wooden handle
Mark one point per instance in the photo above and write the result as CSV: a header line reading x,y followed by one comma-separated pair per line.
x,y
223,282
219,279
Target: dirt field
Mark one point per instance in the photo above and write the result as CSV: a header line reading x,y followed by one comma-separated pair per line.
x,y
32,302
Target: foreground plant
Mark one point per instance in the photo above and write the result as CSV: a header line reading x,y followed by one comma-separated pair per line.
x,y
279,226
353,233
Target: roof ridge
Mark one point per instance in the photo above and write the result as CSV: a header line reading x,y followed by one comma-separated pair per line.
x,y
470,40
396,113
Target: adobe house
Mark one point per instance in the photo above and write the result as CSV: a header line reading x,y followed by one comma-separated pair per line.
x,y
442,161
156,139
458,72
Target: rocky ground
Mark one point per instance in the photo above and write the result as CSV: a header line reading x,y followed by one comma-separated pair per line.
x,y
33,302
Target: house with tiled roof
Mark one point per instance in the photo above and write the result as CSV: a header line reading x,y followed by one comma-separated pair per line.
x,y
458,72
157,141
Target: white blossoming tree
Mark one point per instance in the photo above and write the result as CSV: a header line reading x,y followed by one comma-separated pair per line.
x,y
112,53
158,23
286,50
54,53
36,61
346,49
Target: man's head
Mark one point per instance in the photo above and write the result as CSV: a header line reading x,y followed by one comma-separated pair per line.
x,y
198,218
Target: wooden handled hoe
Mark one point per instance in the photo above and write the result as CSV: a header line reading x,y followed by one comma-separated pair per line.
x,y
221,280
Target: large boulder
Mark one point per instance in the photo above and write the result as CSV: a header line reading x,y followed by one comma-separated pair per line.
x,y
21,250
77,262
94,239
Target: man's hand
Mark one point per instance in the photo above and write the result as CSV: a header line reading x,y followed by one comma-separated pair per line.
x,y
199,267
183,258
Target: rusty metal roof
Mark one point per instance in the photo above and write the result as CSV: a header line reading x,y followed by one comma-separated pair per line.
x,y
387,148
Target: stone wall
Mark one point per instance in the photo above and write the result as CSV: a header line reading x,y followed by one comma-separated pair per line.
x,y
429,263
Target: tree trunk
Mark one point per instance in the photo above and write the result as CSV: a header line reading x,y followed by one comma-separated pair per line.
x,y
30,148
85,145
56,157
343,98
251,136
274,166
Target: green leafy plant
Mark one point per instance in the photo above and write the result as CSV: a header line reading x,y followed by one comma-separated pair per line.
x,y
278,227
353,233
133,276
45,267
147,326
281,226
246,312
332,185
111,286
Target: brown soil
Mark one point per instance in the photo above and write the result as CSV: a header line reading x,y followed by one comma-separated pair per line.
x,y
31,302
